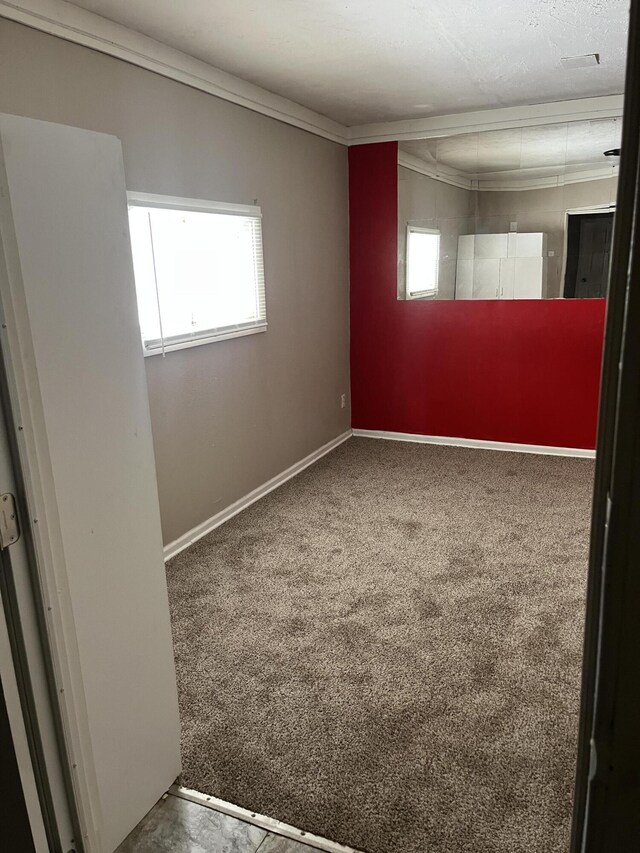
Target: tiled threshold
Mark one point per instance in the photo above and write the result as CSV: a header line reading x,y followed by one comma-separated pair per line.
x,y
185,821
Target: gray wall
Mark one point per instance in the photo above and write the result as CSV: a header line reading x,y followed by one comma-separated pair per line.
x,y
542,210
230,415
433,204
429,203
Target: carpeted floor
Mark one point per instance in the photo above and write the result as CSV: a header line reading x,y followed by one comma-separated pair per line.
x,y
386,650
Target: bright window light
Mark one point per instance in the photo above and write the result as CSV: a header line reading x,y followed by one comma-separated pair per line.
x,y
423,252
198,270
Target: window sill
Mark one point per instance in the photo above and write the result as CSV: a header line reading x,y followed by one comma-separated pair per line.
x,y
425,294
198,342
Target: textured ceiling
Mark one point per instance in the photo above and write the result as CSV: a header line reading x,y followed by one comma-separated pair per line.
x,y
360,61
550,150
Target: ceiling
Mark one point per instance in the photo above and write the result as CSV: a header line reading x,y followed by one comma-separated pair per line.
x,y
362,61
529,152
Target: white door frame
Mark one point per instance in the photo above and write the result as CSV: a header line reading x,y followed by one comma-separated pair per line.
x,y
578,211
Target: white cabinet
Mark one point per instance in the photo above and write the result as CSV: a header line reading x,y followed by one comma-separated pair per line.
x,y
501,266
506,284
464,279
529,245
529,278
491,245
466,247
486,278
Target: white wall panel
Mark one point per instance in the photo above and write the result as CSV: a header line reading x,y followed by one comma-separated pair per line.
x,y
77,342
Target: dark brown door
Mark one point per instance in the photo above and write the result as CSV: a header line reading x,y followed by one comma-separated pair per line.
x,y
593,257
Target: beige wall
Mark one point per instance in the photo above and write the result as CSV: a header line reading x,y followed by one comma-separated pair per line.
x,y
542,210
429,203
229,415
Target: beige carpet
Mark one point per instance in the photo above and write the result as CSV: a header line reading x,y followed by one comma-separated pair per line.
x,y
386,650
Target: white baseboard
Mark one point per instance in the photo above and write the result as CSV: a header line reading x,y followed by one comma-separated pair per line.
x,y
277,827
478,443
219,518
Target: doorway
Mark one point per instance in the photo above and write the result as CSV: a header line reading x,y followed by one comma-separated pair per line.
x,y
588,252
14,822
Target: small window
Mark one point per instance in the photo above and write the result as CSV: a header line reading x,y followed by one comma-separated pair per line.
x,y
198,270
423,252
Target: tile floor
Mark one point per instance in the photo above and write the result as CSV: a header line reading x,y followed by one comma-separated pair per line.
x,y
175,825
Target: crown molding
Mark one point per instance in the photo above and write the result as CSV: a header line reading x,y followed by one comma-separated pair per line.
x,y
73,24
508,183
503,118
415,164
540,183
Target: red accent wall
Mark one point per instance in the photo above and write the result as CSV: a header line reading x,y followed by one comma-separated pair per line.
x,y
517,371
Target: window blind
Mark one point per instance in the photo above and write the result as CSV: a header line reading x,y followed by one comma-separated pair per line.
x,y
199,272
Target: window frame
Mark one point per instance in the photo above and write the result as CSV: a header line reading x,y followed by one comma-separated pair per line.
x,y
420,294
161,346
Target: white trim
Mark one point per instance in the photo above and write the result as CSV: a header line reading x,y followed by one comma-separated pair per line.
x,y
517,185
69,22
201,205
477,443
530,115
161,349
456,178
219,518
596,208
415,164
277,827
171,343
80,26
432,293
578,211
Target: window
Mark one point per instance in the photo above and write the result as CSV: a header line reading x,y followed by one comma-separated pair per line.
x,y
423,252
198,271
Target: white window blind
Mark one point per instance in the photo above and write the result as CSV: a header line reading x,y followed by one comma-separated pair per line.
x,y
423,255
198,269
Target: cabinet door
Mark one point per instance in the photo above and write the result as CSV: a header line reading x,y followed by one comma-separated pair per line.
x,y
491,245
507,277
464,279
529,245
76,357
486,278
529,278
466,243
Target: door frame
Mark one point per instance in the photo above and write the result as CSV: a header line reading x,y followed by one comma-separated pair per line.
x,y
606,815
579,211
